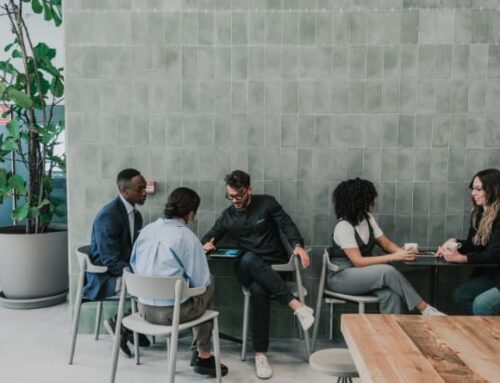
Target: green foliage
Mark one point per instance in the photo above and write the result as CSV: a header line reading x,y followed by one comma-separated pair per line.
x,y
31,85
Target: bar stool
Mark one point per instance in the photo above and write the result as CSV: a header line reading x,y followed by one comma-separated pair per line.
x,y
334,361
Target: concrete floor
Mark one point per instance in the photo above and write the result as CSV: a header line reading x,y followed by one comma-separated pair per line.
x,y
34,346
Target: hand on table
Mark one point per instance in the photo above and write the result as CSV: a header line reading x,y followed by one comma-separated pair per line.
x,y
209,246
405,255
451,255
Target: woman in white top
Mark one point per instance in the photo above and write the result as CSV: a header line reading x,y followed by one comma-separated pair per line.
x,y
354,238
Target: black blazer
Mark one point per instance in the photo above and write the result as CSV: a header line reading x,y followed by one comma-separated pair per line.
x,y
111,246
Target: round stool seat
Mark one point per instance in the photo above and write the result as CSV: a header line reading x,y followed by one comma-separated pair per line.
x,y
334,361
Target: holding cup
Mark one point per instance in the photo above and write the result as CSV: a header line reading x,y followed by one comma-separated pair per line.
x,y
452,245
410,246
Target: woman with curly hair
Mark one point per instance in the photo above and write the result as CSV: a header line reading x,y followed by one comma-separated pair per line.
x,y
480,294
354,238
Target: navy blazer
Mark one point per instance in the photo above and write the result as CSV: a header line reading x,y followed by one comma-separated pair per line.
x,y
110,246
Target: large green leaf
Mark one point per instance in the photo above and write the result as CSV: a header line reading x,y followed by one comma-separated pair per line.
x,y
20,98
17,183
14,129
37,6
57,87
47,12
9,145
20,213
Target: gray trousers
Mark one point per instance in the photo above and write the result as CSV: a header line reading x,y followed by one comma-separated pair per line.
x,y
190,310
384,281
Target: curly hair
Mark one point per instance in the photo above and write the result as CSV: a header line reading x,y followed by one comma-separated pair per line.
x,y
490,179
353,199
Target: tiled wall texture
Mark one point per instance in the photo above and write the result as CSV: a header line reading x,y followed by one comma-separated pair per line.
x,y
302,94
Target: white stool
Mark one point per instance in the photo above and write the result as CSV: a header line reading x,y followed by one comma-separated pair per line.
x,y
334,361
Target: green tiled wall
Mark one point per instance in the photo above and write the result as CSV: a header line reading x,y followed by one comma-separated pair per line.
x,y
302,94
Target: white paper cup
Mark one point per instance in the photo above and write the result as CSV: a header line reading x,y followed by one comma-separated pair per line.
x,y
410,246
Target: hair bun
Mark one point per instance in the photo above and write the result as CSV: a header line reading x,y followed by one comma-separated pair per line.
x,y
171,208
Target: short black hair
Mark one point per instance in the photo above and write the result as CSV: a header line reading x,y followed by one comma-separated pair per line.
x,y
125,176
181,202
237,179
353,199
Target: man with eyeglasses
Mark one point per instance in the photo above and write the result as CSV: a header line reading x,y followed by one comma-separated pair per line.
x,y
255,221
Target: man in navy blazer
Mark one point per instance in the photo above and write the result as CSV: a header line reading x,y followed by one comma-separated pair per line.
x,y
114,231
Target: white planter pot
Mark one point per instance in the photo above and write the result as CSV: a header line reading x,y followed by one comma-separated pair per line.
x,y
33,266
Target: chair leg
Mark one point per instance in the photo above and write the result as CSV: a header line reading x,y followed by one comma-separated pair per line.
x,y
172,357
168,349
215,339
76,315
117,337
74,332
331,321
244,336
361,307
98,318
136,335
308,345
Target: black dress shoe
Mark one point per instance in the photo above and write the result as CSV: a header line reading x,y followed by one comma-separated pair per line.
x,y
143,339
110,326
207,367
124,346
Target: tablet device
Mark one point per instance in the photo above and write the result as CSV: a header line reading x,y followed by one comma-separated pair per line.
x,y
226,253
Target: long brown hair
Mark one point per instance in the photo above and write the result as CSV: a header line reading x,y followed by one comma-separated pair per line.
x,y
490,179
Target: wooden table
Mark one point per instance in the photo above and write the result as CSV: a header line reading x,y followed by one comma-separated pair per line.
x,y
414,348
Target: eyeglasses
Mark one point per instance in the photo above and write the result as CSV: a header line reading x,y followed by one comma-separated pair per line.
x,y
237,197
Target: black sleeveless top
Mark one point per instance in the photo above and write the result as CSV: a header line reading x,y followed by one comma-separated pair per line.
x,y
340,258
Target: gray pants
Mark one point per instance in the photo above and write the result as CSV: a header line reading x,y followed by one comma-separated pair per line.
x,y
384,281
190,310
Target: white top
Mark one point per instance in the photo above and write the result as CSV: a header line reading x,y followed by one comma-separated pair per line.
x,y
343,234
131,218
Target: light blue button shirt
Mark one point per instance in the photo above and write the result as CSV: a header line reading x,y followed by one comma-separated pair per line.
x,y
167,247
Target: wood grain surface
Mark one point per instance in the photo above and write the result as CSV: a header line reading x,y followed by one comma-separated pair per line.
x,y
414,348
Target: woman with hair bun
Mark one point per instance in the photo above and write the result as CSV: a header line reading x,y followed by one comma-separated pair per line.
x,y
168,248
480,294
354,238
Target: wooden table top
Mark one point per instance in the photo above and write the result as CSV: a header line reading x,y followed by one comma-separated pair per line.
x,y
414,348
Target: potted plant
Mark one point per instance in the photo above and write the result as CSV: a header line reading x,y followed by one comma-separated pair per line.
x,y
33,255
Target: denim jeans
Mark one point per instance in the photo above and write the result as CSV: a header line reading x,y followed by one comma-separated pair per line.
x,y
257,275
478,295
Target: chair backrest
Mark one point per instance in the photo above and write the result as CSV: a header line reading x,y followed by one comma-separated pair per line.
x,y
84,261
151,287
289,266
326,260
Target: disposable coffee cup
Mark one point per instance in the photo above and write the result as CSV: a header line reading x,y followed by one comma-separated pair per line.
x,y
410,246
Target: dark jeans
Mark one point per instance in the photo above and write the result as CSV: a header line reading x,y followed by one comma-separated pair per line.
x,y
256,274
471,295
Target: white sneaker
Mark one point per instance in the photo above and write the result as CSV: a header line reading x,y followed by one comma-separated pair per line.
x,y
305,316
430,311
263,369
